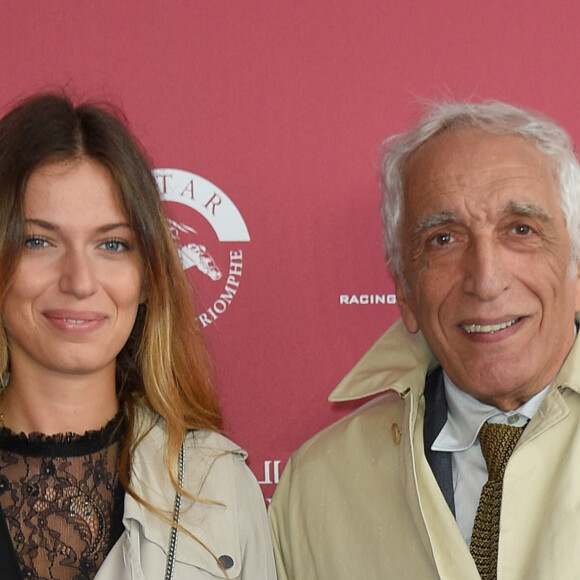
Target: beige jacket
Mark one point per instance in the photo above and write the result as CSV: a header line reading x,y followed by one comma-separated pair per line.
x,y
359,500
236,527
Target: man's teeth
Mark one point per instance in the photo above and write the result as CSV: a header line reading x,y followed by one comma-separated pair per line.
x,y
487,328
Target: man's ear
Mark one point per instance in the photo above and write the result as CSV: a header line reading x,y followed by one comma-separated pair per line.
x,y
405,301
577,277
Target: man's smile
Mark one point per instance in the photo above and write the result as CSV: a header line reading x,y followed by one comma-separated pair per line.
x,y
488,328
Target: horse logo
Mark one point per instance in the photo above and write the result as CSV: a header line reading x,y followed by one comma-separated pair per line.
x,y
193,255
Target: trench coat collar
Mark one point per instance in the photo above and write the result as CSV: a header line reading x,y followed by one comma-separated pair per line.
x,y
399,361
568,376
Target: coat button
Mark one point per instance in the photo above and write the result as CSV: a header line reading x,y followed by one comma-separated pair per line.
x,y
397,435
226,561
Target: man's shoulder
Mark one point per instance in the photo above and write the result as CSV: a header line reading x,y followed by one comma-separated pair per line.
x,y
356,433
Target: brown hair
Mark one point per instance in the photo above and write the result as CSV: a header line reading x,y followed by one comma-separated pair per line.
x,y
163,365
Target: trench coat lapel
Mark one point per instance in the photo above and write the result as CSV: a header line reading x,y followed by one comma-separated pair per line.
x,y
435,418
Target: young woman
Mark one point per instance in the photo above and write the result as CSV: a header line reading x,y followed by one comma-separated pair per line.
x,y
112,462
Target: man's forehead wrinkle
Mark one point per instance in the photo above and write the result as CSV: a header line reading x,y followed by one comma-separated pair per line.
x,y
442,187
478,178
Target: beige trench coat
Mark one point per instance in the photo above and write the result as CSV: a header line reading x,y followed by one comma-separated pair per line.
x,y
359,500
215,469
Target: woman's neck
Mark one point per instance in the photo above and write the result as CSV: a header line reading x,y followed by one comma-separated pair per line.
x,y
57,404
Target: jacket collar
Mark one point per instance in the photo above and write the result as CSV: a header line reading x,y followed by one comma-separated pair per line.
x,y
569,375
399,361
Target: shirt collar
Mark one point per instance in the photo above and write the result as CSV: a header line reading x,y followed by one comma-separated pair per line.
x,y
466,415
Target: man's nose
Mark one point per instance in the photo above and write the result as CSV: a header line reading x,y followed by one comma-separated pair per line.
x,y
485,270
77,274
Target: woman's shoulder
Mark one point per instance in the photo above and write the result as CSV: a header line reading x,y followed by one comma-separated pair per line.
x,y
210,441
150,429
209,457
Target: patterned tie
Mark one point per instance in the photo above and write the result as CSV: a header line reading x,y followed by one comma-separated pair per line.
x,y
497,443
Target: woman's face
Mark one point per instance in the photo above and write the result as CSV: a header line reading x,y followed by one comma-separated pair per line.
x,y
73,300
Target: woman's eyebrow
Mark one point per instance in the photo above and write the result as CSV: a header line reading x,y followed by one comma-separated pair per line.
x,y
53,227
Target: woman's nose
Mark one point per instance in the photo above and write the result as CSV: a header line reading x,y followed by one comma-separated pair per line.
x,y
77,275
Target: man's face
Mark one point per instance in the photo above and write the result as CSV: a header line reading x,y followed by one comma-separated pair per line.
x,y
486,259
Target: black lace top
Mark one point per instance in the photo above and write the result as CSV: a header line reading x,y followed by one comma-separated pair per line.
x,y
61,501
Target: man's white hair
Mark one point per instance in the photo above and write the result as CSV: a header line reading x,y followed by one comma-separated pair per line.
x,y
492,116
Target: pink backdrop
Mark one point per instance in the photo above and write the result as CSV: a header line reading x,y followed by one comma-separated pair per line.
x,y
281,105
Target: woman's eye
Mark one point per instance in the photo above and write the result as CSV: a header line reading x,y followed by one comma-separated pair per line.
x,y
115,246
34,242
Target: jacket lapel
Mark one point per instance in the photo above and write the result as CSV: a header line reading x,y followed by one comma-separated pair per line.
x,y
435,418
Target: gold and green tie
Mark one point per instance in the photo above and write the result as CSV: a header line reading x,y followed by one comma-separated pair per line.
x,y
497,443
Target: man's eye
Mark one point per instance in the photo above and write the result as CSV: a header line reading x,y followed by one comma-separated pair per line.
x,y
522,229
442,239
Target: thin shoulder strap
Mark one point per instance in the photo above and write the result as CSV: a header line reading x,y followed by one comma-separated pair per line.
x,y
176,513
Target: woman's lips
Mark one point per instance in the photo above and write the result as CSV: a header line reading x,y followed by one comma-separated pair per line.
x,y
70,321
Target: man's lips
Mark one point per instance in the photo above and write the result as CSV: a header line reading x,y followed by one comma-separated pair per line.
x,y
489,328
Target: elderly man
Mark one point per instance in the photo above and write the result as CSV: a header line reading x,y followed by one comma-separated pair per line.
x,y
468,464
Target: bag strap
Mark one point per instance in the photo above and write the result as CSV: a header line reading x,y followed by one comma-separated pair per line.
x,y
176,513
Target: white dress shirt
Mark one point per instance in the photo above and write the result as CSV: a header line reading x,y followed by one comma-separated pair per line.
x,y
465,417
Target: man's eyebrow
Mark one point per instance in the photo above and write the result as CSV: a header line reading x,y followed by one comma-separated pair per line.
x,y
528,210
434,221
54,228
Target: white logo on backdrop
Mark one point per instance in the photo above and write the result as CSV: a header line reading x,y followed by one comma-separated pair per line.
x,y
215,252
193,255
367,299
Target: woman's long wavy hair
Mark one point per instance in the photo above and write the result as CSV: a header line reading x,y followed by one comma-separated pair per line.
x,y
163,365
